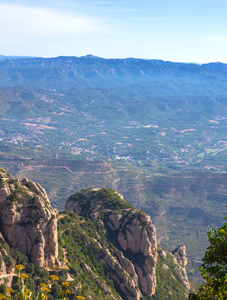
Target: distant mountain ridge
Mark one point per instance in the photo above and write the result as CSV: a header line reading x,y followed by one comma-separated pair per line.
x,y
14,57
89,70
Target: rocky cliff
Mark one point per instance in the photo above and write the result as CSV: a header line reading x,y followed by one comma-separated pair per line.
x,y
133,260
181,262
27,219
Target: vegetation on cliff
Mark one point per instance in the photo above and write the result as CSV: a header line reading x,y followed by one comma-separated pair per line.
x,y
214,267
76,236
95,257
168,287
35,275
45,291
105,198
120,228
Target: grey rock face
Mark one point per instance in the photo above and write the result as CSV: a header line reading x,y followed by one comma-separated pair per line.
x,y
28,221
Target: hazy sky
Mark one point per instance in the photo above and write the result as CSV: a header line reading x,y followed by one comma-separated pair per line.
x,y
176,30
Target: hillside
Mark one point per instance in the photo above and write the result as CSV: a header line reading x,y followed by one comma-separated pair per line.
x,y
92,277
87,275
107,249
129,238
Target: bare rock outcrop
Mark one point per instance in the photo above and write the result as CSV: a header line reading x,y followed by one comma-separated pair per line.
x,y
27,219
181,262
162,254
133,235
127,284
137,236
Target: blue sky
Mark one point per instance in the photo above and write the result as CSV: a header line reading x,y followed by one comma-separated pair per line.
x,y
176,30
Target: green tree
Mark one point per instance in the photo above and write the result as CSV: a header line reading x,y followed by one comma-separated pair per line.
x,y
2,288
56,290
214,267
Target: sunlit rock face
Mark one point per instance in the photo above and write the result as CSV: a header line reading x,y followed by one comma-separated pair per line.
x,y
27,219
181,262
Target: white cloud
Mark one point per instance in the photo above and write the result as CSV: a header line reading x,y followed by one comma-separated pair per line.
x,y
31,21
218,37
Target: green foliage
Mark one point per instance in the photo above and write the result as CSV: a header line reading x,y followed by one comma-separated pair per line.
x,y
8,261
2,288
4,244
105,198
22,292
76,235
56,290
214,267
19,257
168,286
19,194
36,274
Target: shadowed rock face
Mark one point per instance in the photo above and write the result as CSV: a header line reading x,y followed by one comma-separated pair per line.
x,y
136,234
27,219
132,264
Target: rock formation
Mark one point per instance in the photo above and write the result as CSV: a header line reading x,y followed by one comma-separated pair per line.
x,y
132,264
162,254
128,251
181,262
27,219
127,282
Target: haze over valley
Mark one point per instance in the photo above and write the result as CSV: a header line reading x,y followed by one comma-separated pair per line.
x,y
153,130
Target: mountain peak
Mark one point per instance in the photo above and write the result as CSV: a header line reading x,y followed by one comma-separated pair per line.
x,y
90,56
